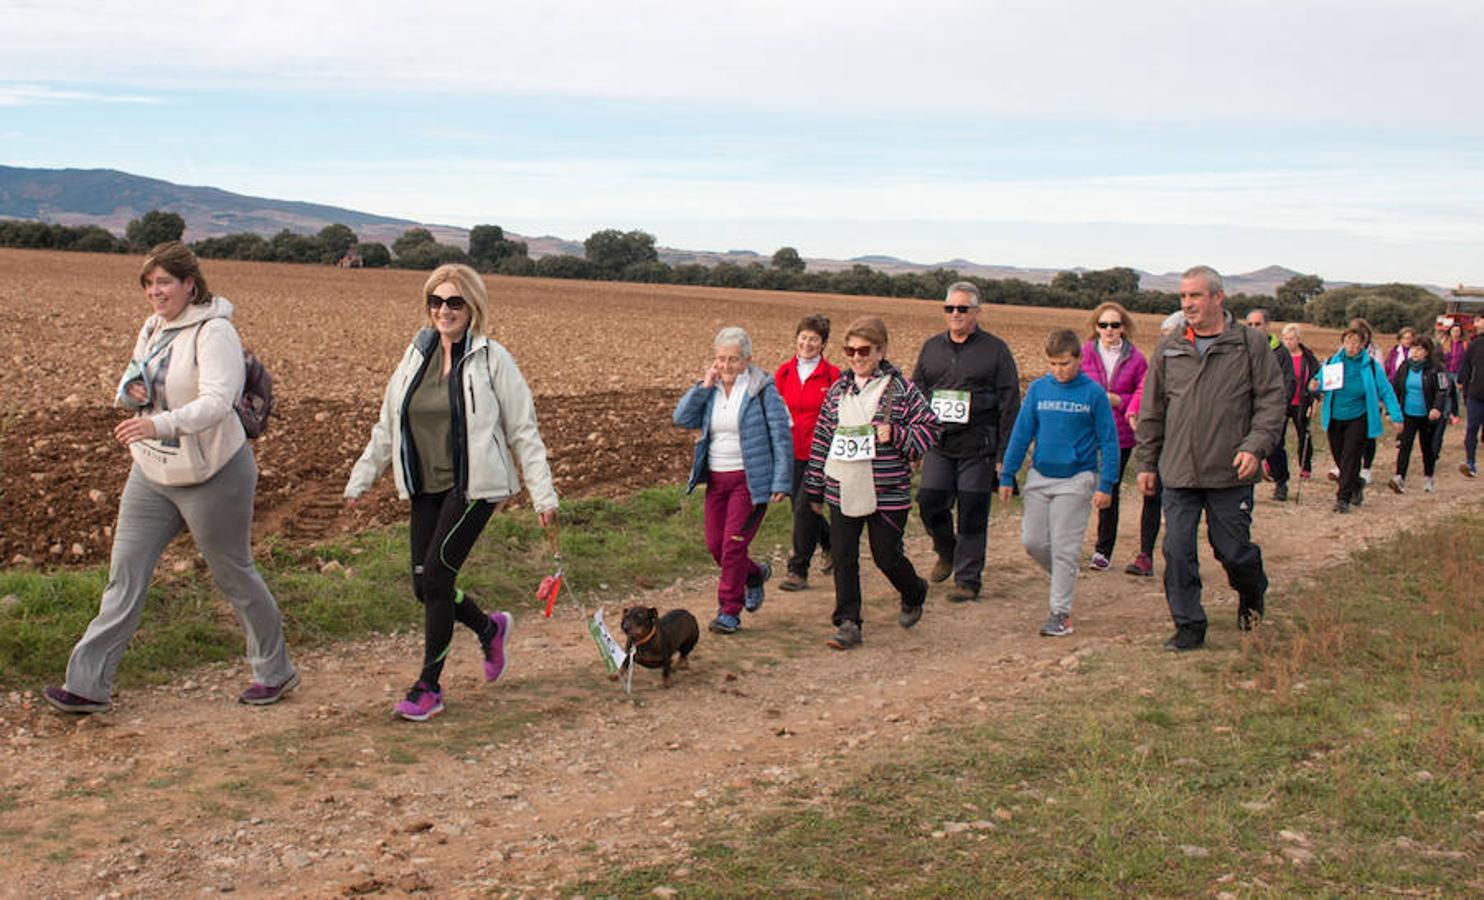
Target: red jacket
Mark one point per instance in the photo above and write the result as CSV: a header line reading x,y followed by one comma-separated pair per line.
x,y
804,399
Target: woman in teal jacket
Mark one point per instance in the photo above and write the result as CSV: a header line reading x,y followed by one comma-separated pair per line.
x,y
1351,413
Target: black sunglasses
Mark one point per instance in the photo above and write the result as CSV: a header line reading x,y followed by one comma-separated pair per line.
x,y
950,308
858,351
454,303
1110,324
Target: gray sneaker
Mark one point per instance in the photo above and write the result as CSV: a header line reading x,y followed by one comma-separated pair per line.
x,y
847,636
1058,625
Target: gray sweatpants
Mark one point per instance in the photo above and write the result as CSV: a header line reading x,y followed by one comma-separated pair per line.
x,y
218,513
1054,524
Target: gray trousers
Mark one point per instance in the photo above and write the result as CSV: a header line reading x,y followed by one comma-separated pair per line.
x,y
218,513
1053,526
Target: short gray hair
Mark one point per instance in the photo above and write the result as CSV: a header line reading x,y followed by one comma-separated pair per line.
x,y
1261,312
1212,277
733,335
965,287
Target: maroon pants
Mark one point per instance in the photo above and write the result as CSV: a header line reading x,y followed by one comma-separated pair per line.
x,y
731,521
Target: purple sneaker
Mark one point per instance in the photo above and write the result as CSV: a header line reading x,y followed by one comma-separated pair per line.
x,y
259,694
422,703
67,701
494,654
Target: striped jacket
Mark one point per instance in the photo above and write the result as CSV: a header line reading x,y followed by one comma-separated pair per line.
x,y
914,431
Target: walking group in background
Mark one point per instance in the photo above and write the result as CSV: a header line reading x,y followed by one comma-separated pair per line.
x,y
1202,418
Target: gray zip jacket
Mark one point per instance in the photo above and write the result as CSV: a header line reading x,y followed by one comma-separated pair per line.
x,y
498,424
1199,411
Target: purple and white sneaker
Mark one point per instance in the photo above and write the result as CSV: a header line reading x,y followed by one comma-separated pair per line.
x,y
495,659
422,703
67,701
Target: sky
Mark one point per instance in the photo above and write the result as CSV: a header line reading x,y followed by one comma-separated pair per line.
x,y
1339,138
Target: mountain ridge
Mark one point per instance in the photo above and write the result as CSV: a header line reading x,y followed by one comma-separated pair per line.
x,y
109,198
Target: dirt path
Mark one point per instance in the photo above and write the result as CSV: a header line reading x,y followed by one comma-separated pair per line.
x,y
526,785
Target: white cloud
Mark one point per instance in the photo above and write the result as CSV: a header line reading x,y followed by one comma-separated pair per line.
x,y
1383,62
34,94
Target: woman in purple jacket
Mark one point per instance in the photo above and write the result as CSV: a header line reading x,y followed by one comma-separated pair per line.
x,y
1111,359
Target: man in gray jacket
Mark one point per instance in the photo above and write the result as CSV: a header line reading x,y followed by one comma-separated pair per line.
x,y
1213,407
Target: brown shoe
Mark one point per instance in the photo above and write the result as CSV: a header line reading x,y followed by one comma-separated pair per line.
x,y
827,567
962,594
941,570
793,582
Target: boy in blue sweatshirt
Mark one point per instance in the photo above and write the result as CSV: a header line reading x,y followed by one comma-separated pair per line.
x,y
1074,468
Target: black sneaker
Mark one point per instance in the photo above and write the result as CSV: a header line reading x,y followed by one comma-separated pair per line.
x,y
910,615
942,568
1359,496
846,637
1187,637
67,701
1280,492
1342,506
1248,618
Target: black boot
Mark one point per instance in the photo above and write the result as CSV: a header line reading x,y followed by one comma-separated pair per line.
x,y
1191,636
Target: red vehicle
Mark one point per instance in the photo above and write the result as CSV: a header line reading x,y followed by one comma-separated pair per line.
x,y
1464,308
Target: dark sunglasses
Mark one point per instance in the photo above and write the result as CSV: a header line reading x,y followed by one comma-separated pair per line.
x,y
858,351
950,308
454,303
1110,324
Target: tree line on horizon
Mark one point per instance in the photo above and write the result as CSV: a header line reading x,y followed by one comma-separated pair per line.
x,y
632,256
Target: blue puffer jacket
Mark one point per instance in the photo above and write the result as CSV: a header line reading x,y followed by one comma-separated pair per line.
x,y
767,437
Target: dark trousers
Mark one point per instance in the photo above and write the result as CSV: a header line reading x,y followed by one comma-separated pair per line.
x,y
810,528
884,528
1450,409
443,530
1471,434
1302,430
1108,518
1229,528
1347,446
1278,457
1150,516
1421,429
968,484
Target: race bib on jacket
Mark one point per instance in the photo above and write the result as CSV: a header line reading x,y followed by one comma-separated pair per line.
x,y
951,407
1333,375
853,443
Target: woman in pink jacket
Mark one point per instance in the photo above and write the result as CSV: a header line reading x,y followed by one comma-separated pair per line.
x,y
1111,359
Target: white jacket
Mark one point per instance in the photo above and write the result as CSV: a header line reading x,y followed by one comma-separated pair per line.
x,y
498,417
197,430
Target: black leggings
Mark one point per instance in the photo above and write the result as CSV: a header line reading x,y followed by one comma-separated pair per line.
x,y
444,529
1108,518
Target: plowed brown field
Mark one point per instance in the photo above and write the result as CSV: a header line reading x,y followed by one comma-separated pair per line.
x,y
606,362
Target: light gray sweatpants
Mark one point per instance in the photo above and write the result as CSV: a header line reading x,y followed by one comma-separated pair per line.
x,y
1054,524
218,513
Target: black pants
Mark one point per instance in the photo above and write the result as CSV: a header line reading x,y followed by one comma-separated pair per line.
x,y
885,530
1298,415
968,484
1347,446
810,528
1229,528
1277,458
444,529
1108,518
1368,458
1421,429
1150,516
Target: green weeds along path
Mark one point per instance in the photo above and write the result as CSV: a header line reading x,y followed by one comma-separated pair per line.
x,y
1335,751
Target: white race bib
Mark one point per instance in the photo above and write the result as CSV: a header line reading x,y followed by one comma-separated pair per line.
x,y
853,443
951,406
1333,375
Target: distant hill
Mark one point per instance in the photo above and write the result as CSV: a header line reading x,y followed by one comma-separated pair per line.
x,y
110,198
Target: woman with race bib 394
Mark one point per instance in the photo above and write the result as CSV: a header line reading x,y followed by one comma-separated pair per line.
x,y
874,423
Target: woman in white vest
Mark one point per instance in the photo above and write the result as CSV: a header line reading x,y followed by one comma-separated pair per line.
x,y
193,469
456,415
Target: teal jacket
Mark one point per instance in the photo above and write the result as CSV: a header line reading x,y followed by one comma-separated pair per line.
x,y
1377,391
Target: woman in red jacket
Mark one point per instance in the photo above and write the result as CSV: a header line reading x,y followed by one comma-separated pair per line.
x,y
803,381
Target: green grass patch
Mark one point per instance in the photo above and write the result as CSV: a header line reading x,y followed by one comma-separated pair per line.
x,y
1337,751
611,548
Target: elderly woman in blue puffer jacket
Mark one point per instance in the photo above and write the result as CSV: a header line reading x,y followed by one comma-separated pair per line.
x,y
745,456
